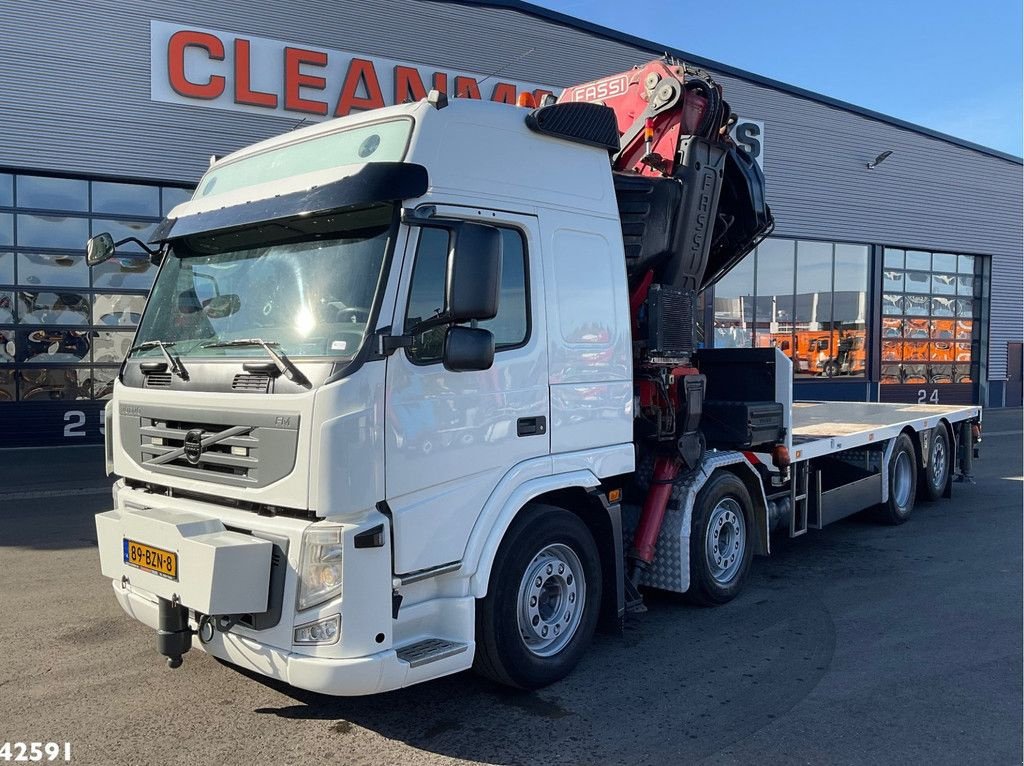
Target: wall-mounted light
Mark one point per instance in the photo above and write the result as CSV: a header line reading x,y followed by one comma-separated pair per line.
x,y
879,159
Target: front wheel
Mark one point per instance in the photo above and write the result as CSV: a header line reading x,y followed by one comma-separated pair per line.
x,y
542,603
720,540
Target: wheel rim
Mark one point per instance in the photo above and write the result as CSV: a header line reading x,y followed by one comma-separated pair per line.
x,y
725,541
552,595
938,466
901,480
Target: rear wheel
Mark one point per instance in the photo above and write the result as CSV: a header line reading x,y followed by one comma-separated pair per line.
x,y
721,544
940,457
902,482
542,602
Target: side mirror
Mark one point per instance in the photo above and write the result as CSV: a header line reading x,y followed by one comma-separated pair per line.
x,y
221,306
473,274
99,249
467,349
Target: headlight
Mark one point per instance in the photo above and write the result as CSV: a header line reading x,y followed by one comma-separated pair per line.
x,y
319,632
320,566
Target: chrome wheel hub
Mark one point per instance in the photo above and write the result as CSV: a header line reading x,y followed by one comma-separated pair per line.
x,y
725,541
551,598
902,480
938,466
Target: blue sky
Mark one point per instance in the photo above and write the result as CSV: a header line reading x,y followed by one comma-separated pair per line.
x,y
951,66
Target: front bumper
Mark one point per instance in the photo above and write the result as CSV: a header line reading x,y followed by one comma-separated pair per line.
x,y
353,676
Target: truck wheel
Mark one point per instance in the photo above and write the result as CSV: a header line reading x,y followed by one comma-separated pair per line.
x,y
542,602
933,478
720,540
902,483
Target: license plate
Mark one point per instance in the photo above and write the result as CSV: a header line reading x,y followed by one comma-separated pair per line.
x,y
150,559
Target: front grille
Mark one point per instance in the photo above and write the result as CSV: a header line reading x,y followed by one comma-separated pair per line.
x,y
230,452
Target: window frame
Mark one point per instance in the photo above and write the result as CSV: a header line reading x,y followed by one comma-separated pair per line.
x,y
450,224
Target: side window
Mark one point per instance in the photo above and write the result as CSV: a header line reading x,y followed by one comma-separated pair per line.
x,y
426,295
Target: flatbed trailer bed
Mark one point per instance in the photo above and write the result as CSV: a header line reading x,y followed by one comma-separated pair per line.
x,y
824,428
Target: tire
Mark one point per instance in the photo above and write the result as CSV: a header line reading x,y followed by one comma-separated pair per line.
x,y
902,483
547,563
722,514
932,481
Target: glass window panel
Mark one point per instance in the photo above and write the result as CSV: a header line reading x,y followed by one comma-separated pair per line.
x,y
172,197
111,347
8,387
915,373
943,262
54,384
125,199
124,272
8,347
6,190
892,281
916,329
963,374
916,305
734,306
6,268
60,307
918,282
962,353
964,307
942,307
52,231
119,229
103,382
53,193
52,270
813,286
943,284
6,229
965,285
118,310
892,304
893,258
509,326
941,351
46,346
914,351
940,373
891,374
942,329
850,308
892,328
917,259
964,329
965,264
892,350
6,307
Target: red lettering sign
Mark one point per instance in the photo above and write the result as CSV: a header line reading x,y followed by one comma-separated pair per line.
x,y
214,85
360,72
295,78
244,94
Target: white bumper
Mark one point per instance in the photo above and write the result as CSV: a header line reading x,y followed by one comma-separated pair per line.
x,y
353,676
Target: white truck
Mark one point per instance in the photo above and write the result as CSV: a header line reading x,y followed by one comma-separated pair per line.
x,y
417,390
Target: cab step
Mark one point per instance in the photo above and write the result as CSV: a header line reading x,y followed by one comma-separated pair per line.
x,y
429,650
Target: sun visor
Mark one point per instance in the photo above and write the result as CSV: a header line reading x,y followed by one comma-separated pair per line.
x,y
374,183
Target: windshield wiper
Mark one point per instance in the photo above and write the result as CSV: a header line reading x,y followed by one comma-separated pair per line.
x,y
284,364
172,359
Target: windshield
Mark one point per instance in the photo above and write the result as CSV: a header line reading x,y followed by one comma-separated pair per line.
x,y
312,297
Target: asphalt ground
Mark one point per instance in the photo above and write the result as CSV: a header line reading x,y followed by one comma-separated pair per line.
x,y
858,644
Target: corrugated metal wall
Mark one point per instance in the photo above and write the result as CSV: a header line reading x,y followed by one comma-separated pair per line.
x,y
74,86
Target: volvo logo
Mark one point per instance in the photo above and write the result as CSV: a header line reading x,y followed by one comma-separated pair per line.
x,y
193,445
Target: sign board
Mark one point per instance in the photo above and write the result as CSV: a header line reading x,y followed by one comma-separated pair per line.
x,y
199,66
749,134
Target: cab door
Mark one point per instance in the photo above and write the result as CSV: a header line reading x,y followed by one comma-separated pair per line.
x,y
452,436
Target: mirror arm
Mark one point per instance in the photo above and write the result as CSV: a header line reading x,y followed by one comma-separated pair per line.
x,y
138,242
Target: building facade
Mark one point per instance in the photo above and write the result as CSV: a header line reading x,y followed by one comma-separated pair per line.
x,y
901,282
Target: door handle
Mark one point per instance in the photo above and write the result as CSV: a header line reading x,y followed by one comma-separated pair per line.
x,y
531,426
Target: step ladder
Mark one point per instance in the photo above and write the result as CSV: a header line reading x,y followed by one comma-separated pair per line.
x,y
799,497
429,650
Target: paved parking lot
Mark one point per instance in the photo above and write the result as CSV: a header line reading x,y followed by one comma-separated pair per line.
x,y
856,644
